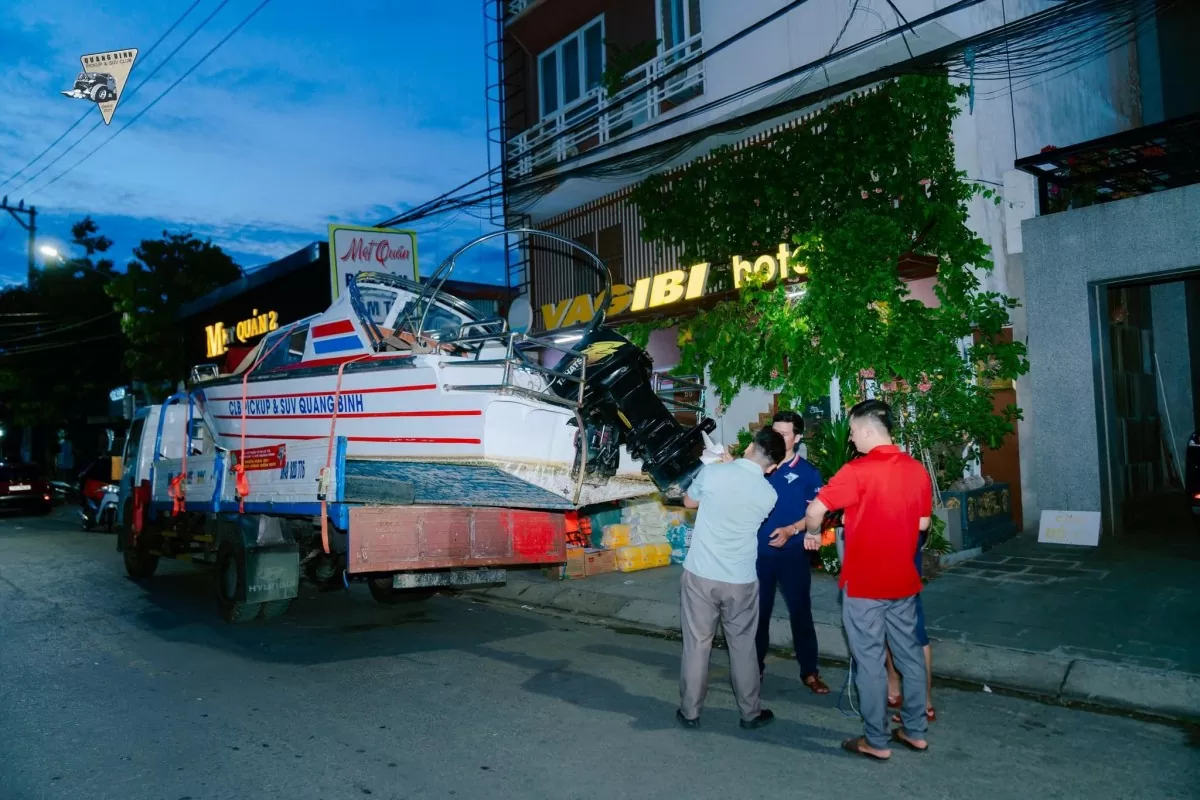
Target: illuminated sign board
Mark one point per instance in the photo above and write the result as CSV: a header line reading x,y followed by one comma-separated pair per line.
x,y
668,288
353,250
220,338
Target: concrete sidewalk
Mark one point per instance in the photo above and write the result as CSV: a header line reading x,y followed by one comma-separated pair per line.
x,y
1109,627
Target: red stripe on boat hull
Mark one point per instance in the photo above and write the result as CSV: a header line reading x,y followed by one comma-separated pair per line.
x,y
333,328
376,439
356,415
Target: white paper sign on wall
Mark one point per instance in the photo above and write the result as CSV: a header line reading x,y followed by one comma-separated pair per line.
x,y
1070,527
354,249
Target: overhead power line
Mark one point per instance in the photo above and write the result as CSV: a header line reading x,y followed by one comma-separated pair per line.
x,y
428,208
56,331
84,115
143,82
444,201
1098,26
41,348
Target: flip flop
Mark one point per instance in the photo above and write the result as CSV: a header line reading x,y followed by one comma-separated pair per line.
x,y
900,740
853,746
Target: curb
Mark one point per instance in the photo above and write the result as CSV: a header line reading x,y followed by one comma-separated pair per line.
x,y
1099,684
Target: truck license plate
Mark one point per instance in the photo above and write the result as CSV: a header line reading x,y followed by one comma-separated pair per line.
x,y
443,578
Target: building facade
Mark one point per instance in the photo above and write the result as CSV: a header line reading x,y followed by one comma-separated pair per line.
x,y
595,95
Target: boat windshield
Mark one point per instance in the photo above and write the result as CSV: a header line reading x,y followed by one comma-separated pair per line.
x,y
383,300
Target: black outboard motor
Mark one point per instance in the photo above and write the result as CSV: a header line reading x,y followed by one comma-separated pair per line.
x,y
620,407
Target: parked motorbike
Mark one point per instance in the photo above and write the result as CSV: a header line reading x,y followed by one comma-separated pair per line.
x,y
99,508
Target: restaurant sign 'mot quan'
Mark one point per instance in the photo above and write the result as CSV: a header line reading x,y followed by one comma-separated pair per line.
x,y
668,288
221,338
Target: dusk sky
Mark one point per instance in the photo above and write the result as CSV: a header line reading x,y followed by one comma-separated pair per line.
x,y
312,113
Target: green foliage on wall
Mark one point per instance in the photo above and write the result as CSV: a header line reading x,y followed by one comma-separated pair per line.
x,y
855,189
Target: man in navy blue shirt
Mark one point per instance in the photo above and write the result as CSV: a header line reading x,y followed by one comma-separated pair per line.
x,y
782,560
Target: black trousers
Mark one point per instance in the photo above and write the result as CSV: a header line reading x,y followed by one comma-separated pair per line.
x,y
787,570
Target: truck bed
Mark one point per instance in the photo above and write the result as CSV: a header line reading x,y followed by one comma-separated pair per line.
x,y
284,479
373,482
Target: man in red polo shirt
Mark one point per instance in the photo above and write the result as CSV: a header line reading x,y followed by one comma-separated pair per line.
x,y
887,498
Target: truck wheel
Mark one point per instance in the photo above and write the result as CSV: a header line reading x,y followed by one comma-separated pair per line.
x,y
230,574
382,591
140,563
275,608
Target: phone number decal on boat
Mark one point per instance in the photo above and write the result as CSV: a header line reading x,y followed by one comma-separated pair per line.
x,y
317,405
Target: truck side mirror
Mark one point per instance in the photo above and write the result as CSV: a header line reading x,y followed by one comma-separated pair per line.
x,y
118,467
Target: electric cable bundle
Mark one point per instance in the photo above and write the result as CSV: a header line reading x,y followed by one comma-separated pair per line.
x,y
1035,47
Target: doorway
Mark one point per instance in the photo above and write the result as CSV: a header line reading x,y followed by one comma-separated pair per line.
x,y
1150,359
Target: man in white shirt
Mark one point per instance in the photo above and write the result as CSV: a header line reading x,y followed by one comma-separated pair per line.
x,y
720,580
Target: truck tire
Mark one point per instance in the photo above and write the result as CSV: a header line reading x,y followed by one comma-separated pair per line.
x,y
231,573
140,563
382,591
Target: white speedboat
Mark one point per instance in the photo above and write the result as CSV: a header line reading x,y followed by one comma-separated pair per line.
x,y
465,410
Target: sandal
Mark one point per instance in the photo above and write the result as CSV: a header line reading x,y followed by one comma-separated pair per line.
x,y
930,714
855,746
815,683
901,739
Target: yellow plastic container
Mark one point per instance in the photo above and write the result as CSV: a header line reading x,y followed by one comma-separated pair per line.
x,y
631,558
615,536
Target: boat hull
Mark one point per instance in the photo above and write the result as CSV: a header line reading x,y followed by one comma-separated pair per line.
x,y
409,417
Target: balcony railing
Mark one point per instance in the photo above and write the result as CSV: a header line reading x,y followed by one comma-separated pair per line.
x,y
597,119
1154,158
515,7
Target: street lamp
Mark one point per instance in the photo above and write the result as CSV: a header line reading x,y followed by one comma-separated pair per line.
x,y
48,251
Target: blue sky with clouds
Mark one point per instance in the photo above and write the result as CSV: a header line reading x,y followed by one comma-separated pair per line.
x,y
314,112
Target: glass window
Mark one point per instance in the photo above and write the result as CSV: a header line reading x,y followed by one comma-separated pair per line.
x,y
572,68
439,322
16,473
679,20
133,441
549,82
296,343
570,71
284,353
377,302
593,51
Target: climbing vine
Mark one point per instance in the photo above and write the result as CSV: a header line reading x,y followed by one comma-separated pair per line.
x,y
855,190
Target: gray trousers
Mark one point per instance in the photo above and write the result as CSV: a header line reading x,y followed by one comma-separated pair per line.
x,y
702,603
870,624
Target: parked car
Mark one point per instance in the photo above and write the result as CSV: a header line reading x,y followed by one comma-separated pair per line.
x,y
25,487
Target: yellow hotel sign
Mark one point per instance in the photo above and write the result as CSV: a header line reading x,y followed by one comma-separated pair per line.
x,y
667,288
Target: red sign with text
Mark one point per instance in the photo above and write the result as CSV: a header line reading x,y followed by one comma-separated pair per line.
x,y
260,458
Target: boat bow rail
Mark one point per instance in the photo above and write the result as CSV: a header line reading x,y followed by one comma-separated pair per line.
x,y
516,362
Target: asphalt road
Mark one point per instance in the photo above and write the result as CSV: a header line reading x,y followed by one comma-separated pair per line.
x,y
110,689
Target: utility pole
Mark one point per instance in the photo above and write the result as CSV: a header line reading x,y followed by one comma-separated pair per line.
x,y
30,225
